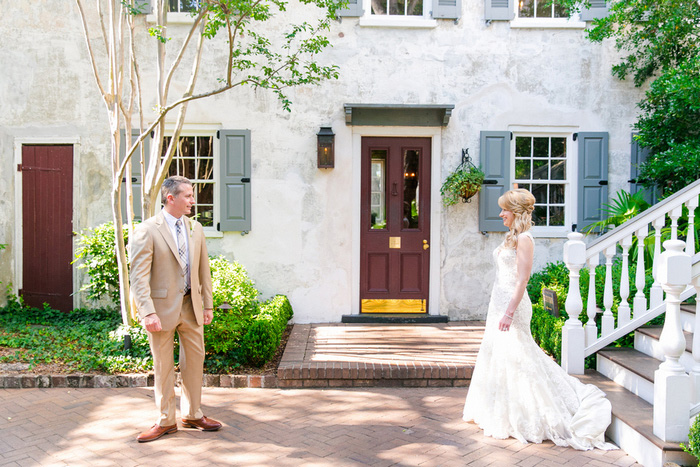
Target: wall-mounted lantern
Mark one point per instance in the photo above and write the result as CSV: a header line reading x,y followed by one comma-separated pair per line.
x,y
326,148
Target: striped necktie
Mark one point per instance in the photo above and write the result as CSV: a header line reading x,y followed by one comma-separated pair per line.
x,y
182,249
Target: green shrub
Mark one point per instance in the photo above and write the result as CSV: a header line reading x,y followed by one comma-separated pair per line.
x,y
693,447
96,253
546,330
263,338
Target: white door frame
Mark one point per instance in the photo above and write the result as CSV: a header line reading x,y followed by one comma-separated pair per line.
x,y
435,135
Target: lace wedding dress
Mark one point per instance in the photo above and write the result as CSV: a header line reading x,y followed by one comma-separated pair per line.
x,y
519,391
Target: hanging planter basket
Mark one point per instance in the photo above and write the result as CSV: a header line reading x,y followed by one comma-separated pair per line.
x,y
463,183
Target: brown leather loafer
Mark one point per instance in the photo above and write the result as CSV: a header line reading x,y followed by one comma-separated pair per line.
x,y
204,424
155,432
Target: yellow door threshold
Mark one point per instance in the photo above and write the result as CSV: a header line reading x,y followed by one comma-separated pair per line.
x,y
392,306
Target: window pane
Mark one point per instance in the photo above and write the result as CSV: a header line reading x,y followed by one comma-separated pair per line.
x,y
204,148
396,7
540,193
522,169
378,187
205,169
186,168
415,7
558,147
544,9
379,7
186,147
523,146
526,9
541,147
556,215
558,170
556,194
539,215
204,193
206,215
540,169
560,11
411,208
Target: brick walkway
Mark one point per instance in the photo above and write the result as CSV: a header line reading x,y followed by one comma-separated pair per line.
x,y
266,427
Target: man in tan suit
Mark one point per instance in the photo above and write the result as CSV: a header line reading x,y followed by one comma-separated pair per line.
x,y
171,289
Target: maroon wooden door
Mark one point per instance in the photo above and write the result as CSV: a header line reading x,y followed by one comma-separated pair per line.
x,y
395,225
47,226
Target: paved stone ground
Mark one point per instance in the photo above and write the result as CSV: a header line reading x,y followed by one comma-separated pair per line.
x,y
266,427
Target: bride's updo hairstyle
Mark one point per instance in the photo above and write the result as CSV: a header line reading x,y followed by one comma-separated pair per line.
x,y
521,203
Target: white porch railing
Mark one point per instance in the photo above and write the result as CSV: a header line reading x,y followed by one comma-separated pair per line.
x,y
672,275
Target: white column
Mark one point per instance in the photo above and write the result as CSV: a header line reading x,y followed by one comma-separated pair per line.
x,y
573,338
695,371
656,294
690,238
640,301
671,383
591,327
607,325
623,311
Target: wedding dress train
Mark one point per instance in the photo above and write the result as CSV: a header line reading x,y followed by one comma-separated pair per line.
x,y
518,391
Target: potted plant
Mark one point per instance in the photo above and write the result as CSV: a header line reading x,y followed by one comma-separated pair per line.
x,y
463,183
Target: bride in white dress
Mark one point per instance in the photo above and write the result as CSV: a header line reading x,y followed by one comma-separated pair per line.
x,y
516,389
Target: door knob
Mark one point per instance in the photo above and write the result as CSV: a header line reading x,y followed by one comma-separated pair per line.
x,y
425,244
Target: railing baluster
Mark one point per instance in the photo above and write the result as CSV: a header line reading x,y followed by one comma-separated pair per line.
x,y
674,215
607,324
623,311
591,327
690,237
695,371
640,301
656,294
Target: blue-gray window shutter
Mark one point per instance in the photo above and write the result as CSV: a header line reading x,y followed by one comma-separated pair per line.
x,y
354,8
503,10
639,155
598,9
234,180
494,153
592,177
448,9
136,177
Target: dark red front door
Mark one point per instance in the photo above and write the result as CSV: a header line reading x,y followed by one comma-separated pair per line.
x,y
47,226
395,225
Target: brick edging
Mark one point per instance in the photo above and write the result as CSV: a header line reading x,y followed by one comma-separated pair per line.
x,y
128,381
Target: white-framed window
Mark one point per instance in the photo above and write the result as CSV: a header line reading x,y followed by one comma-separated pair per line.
x,y
541,167
398,13
183,6
544,14
194,159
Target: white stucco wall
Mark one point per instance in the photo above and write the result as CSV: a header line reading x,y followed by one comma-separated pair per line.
x,y
303,241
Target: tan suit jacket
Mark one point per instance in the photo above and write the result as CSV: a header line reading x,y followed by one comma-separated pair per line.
x,y
157,280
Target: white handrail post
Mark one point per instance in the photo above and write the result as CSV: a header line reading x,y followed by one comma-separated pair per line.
x,y
573,338
607,325
623,310
671,383
674,215
591,327
690,237
640,301
656,294
695,371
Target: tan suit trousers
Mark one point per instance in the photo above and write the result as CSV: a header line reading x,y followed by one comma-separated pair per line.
x,y
191,337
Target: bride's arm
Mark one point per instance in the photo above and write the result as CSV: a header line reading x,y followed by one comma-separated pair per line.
x,y
525,253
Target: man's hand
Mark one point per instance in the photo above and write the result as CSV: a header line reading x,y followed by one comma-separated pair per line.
x,y
208,315
152,323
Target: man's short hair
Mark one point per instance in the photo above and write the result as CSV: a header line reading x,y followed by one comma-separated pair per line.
x,y
172,186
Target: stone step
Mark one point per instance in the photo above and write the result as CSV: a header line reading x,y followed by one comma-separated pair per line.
x,y
632,425
629,368
369,355
646,340
394,318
